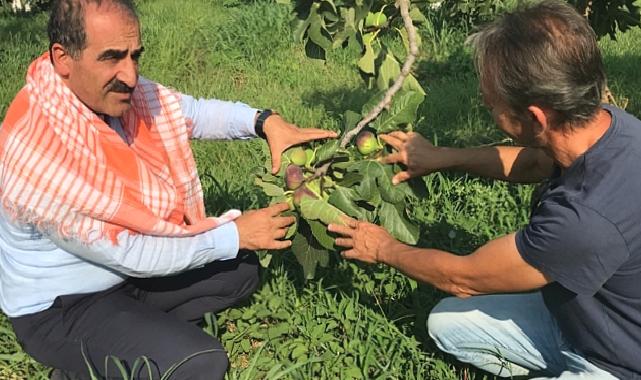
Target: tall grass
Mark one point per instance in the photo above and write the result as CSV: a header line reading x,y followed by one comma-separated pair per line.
x,y
355,321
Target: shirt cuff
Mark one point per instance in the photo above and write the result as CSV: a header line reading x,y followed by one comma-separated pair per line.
x,y
225,239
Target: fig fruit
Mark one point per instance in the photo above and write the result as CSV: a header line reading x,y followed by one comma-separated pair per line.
x,y
298,156
303,192
367,143
293,177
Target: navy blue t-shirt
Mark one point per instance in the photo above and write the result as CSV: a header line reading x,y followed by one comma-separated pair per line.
x,y
585,235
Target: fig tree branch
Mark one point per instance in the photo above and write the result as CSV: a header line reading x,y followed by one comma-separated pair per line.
x,y
403,5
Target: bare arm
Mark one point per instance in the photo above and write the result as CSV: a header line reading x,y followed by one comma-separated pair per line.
x,y
514,164
493,268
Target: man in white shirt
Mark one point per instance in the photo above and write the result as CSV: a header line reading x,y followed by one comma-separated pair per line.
x,y
104,246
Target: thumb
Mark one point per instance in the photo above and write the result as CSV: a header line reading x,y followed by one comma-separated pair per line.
x,y
276,160
401,177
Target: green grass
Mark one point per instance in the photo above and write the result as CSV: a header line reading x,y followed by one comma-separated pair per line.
x,y
355,321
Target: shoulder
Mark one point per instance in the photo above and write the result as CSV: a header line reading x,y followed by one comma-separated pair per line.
x,y
18,108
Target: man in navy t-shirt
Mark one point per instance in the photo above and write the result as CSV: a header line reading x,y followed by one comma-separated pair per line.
x,y
562,296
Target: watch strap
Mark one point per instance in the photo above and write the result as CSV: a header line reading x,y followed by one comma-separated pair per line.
x,y
259,127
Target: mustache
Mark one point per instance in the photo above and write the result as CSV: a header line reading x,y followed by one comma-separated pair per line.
x,y
119,86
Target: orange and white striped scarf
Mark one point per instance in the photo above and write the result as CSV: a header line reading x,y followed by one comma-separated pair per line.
x,y
63,169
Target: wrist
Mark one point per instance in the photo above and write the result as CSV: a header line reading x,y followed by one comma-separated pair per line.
x,y
261,122
387,254
451,158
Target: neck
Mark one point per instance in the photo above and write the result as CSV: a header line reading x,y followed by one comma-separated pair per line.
x,y
566,146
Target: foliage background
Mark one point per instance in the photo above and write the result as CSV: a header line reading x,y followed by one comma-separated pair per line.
x,y
356,321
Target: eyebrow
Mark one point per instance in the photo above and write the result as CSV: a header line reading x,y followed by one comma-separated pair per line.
x,y
119,54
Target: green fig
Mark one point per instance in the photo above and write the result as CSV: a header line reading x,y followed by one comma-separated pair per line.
x,y
367,143
303,192
298,156
293,177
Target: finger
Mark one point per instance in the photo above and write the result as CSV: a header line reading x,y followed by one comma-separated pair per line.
x,y
344,242
280,244
310,134
392,158
284,221
280,233
401,177
276,161
348,221
342,230
400,135
277,208
349,254
393,141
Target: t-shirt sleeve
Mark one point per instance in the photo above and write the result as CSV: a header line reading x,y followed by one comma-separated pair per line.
x,y
573,245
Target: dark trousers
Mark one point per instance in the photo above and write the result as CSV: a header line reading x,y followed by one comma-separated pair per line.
x,y
156,317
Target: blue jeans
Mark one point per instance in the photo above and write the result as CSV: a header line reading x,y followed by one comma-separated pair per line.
x,y
508,335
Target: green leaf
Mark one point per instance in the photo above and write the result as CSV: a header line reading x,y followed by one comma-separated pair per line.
x,y
343,198
327,150
319,231
388,71
308,253
350,120
278,330
368,189
350,179
402,111
389,192
317,31
393,220
270,189
417,16
367,62
319,209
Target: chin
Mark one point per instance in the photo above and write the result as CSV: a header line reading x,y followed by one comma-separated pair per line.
x,y
118,111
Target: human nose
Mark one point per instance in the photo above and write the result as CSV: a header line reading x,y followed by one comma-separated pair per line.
x,y
128,72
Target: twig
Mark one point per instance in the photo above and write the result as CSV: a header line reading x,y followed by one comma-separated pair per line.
x,y
403,5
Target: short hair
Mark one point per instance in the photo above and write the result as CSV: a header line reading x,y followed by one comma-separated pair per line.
x,y
544,54
67,22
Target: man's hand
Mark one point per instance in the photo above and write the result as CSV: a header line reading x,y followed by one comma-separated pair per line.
x,y
282,135
414,151
365,241
263,228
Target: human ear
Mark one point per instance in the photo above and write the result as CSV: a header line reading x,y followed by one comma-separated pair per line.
x,y
61,60
539,120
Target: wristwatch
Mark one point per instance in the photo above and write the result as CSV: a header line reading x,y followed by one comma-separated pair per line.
x,y
260,122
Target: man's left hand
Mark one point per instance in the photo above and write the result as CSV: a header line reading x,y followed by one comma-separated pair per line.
x,y
364,241
281,135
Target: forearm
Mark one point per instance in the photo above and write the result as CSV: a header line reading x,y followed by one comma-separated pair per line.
x,y
147,256
513,164
430,266
495,267
219,120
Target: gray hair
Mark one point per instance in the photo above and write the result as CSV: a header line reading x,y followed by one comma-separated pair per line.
x,y
546,55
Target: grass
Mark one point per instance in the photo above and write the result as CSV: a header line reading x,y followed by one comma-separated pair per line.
x,y
355,321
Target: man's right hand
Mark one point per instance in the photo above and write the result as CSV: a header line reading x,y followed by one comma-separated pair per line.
x,y
263,228
414,151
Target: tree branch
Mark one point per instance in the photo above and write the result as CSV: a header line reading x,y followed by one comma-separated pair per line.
x,y
403,5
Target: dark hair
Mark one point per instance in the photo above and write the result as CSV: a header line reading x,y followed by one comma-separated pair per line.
x,y
546,55
67,22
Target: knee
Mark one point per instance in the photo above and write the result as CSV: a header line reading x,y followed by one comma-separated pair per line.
x,y
442,321
247,275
